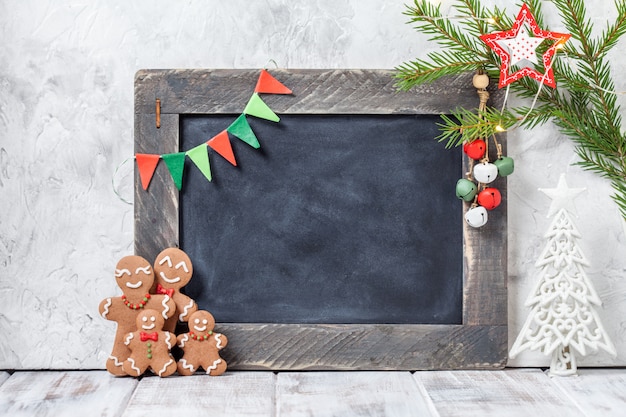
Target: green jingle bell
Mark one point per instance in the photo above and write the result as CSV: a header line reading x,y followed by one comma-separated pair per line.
x,y
465,189
505,165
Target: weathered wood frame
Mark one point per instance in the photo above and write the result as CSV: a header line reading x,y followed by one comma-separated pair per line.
x,y
480,342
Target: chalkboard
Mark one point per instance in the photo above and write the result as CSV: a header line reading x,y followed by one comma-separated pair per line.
x,y
339,219
339,243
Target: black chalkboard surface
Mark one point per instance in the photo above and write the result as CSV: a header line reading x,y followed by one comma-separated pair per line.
x,y
339,244
338,219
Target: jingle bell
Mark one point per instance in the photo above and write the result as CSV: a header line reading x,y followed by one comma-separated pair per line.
x,y
489,198
485,172
505,166
476,217
475,149
466,189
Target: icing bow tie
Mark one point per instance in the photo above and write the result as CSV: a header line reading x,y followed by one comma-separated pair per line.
x,y
149,336
166,291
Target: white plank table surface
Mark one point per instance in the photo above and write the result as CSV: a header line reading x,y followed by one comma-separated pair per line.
x,y
510,393
74,393
343,394
4,376
596,391
231,394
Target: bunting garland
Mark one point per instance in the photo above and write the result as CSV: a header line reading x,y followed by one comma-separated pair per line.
x,y
220,143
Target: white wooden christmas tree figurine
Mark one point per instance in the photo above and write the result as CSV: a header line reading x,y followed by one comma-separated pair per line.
x,y
563,321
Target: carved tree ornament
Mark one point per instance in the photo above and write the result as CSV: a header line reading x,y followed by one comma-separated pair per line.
x,y
563,321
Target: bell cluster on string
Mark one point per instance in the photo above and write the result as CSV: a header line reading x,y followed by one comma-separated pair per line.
x,y
475,188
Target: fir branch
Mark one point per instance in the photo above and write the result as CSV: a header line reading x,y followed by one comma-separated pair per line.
x,y
466,126
614,32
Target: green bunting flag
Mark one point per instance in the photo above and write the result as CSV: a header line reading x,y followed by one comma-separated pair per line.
x,y
241,129
200,156
256,107
220,143
175,163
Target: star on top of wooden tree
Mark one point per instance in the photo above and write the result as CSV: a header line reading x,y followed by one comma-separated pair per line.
x,y
562,197
516,48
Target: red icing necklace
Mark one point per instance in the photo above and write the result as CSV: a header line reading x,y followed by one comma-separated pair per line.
x,y
137,306
200,338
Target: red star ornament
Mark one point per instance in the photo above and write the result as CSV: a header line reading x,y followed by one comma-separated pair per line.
x,y
515,46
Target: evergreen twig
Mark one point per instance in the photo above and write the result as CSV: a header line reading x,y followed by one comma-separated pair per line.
x,y
584,107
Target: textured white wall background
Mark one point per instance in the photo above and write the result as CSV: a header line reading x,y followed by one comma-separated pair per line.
x,y
66,115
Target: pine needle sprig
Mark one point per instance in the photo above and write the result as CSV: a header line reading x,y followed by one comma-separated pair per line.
x,y
584,107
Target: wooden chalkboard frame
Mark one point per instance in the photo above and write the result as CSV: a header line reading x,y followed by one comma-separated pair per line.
x,y
480,342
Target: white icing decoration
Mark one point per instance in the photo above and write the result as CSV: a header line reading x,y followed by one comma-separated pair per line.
x,y
185,365
219,341
166,308
106,306
186,310
167,340
132,365
166,259
168,280
116,362
165,366
183,264
145,270
120,272
183,340
134,286
199,328
148,327
128,339
213,367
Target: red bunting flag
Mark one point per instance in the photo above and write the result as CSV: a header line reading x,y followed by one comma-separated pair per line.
x,y
221,144
270,85
146,164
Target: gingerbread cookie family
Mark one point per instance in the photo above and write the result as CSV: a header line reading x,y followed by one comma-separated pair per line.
x,y
147,313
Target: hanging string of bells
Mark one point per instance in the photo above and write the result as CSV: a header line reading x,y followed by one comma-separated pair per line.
x,y
482,172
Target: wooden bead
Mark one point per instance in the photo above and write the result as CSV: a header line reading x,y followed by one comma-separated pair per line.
x,y
480,80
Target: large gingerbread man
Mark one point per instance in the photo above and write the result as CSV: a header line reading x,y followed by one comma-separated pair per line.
x,y
135,276
201,346
173,270
150,346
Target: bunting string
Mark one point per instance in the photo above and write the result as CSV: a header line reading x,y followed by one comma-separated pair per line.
x,y
220,143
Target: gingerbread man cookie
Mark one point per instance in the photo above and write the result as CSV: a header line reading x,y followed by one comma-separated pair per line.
x,y
135,276
150,346
201,346
173,270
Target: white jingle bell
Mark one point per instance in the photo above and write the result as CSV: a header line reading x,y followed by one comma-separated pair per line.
x,y
476,216
485,172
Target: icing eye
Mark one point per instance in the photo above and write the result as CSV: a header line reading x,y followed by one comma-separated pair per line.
x,y
144,319
145,270
196,321
166,259
121,272
183,265
205,321
152,318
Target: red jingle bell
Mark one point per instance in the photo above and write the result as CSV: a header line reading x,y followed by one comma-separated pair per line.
x,y
475,149
489,198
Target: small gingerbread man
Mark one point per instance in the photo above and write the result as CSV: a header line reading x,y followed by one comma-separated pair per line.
x,y
201,346
135,276
173,270
150,346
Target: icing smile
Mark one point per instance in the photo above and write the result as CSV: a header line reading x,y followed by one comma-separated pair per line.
x,y
169,280
148,327
199,328
134,286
